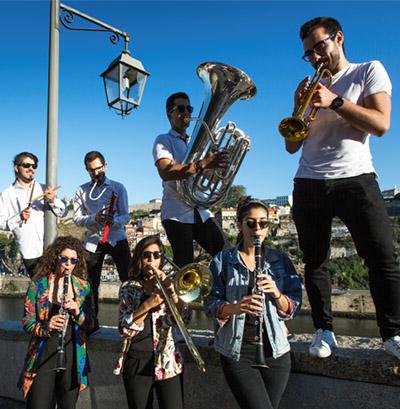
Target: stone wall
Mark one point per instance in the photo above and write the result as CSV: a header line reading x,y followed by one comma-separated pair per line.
x,y
350,303
358,375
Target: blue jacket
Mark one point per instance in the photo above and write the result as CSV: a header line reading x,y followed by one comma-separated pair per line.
x,y
231,281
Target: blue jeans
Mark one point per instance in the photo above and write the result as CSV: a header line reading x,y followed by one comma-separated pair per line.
x,y
358,202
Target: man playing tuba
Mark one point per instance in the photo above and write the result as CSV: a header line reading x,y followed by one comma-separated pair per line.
x,y
184,223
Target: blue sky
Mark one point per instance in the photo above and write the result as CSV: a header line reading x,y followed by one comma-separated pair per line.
x,y
171,39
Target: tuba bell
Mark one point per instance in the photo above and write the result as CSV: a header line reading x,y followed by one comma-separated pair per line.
x,y
224,85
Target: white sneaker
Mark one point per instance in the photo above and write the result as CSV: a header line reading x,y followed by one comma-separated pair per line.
x,y
392,346
322,344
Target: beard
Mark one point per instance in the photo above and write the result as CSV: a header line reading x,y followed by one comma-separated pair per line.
x,y
99,178
26,179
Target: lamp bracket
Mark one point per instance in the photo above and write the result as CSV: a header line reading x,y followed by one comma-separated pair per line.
x,y
67,16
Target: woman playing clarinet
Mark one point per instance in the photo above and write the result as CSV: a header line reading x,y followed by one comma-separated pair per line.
x,y
255,290
59,312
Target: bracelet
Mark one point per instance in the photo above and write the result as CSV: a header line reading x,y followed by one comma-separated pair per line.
x,y
277,298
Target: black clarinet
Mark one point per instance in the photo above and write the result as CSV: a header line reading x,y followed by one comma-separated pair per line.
x,y
260,358
61,358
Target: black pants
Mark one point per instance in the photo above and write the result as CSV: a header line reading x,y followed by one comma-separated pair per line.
x,y
121,255
50,387
181,235
357,201
138,376
256,388
31,265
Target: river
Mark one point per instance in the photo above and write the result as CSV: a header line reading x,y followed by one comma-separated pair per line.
x,y
12,309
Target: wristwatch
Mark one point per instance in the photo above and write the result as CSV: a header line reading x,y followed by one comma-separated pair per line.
x,y
336,103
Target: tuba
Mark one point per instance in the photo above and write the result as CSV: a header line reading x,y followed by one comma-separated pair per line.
x,y
224,85
295,128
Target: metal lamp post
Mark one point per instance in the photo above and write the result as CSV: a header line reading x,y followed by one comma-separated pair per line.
x,y
124,82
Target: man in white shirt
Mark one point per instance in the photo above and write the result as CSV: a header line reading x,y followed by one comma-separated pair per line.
x,y
22,207
336,177
183,223
101,206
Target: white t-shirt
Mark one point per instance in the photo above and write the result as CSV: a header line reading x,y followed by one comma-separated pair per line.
x,y
334,149
173,207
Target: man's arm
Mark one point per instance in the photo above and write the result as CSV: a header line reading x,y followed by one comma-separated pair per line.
x,y
373,117
81,218
168,170
122,214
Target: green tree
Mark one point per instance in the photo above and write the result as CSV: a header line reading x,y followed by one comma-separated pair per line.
x,y
234,193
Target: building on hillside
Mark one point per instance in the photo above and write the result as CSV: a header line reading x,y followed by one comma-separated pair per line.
x,y
153,204
391,198
389,194
280,201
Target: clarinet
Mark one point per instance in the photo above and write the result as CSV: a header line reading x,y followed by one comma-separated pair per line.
x,y
110,211
259,358
61,358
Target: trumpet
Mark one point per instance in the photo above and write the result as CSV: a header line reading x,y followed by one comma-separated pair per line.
x,y
295,128
192,282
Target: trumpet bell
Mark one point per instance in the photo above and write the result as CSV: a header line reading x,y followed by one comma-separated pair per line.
x,y
293,129
193,282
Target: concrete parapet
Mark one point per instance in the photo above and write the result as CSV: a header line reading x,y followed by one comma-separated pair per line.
x,y
353,303
358,375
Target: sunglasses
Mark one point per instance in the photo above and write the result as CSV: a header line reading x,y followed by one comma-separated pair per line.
x,y
155,254
182,108
64,259
28,165
251,224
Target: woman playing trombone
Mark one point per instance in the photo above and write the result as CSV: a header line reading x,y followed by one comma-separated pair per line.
x,y
241,299
58,306
150,359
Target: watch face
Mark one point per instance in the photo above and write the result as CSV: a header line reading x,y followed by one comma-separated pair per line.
x,y
337,103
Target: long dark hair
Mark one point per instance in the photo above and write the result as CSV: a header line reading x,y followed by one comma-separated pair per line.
x,y
49,261
244,206
135,268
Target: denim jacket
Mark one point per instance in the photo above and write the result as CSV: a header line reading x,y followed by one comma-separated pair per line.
x,y
231,281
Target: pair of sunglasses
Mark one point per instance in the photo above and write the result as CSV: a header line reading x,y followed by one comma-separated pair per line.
x,y
182,108
64,259
155,254
28,165
251,224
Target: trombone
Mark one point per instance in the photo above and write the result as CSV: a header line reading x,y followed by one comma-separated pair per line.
x,y
295,128
192,282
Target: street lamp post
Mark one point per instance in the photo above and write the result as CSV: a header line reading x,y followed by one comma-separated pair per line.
x,y
124,82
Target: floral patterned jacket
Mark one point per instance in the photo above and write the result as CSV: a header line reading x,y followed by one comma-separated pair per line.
x,y
36,319
167,358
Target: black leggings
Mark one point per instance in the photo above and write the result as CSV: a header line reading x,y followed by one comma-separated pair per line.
x,y
50,387
138,376
256,388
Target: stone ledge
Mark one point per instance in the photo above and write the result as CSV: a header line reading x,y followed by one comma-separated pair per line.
x,y
357,359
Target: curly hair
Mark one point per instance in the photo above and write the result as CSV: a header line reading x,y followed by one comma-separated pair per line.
x,y
49,261
135,268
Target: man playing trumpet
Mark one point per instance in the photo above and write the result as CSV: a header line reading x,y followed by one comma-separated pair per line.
x,y
22,207
336,177
101,206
